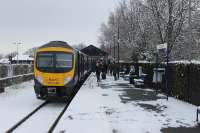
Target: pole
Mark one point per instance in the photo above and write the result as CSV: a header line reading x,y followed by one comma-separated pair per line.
x,y
156,71
17,54
167,76
189,46
110,50
114,48
114,39
118,48
169,42
190,31
17,43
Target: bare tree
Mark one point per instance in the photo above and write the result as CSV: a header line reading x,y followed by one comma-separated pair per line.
x,y
142,24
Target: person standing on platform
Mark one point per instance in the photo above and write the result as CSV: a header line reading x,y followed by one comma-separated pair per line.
x,y
111,68
104,70
98,70
115,70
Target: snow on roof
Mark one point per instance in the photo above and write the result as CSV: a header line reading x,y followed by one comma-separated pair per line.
x,y
143,61
22,57
175,62
121,61
4,61
186,62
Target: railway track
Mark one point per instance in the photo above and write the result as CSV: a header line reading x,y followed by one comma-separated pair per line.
x,y
26,118
52,127
29,116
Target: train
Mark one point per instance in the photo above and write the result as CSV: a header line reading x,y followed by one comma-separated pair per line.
x,y
58,69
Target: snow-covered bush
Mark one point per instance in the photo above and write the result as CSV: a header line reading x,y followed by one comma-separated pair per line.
x,y
184,80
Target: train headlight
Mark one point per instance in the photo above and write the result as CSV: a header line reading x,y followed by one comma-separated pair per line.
x,y
66,80
40,79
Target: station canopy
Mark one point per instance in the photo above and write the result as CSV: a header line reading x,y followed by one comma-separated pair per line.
x,y
94,51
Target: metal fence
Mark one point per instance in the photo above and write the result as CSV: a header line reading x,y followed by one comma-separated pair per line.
x,y
11,70
14,74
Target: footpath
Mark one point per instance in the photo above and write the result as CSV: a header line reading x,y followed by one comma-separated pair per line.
x,y
118,107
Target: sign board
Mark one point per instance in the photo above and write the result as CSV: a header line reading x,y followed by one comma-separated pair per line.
x,y
162,46
162,51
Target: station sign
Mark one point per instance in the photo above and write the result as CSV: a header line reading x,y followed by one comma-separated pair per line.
x,y
162,50
162,46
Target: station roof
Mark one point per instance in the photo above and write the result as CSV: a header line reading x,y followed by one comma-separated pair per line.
x,y
93,51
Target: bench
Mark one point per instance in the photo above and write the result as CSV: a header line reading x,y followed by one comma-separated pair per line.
x,y
138,82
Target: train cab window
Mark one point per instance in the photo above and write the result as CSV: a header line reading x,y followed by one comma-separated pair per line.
x,y
63,60
45,60
55,62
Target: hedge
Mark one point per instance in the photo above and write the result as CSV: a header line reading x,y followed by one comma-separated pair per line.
x,y
184,80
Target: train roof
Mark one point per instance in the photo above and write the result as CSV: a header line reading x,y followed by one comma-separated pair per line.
x,y
56,44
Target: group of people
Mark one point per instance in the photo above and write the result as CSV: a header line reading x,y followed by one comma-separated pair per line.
x,y
102,68
113,68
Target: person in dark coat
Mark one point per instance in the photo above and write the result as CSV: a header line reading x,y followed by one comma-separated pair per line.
x,y
110,68
115,70
104,70
98,70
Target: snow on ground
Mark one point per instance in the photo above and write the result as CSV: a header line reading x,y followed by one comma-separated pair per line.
x,y
15,103
42,120
117,107
18,101
111,107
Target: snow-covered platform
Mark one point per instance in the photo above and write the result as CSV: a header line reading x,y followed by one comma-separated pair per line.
x,y
111,107
118,107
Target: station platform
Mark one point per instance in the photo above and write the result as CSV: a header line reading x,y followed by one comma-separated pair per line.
x,y
119,107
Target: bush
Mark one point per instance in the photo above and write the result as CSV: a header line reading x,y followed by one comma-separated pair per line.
x,y
184,80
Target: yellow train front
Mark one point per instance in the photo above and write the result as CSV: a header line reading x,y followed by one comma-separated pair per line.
x,y
58,68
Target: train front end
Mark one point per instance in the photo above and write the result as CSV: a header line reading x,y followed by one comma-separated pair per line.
x,y
54,73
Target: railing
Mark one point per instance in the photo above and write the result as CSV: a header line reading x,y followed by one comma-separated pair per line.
x,y
14,74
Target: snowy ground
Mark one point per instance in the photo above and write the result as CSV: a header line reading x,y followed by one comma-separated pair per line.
x,y
18,101
117,107
111,107
15,103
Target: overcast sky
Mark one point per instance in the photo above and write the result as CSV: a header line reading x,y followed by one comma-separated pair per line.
x,y
35,22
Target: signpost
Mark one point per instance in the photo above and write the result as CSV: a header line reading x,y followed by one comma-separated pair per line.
x,y
162,50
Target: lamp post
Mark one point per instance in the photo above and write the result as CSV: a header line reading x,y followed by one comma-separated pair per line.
x,y
114,47
167,73
189,46
110,49
190,31
17,43
118,39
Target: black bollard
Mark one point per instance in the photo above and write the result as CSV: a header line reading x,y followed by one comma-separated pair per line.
x,y
198,111
1,87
